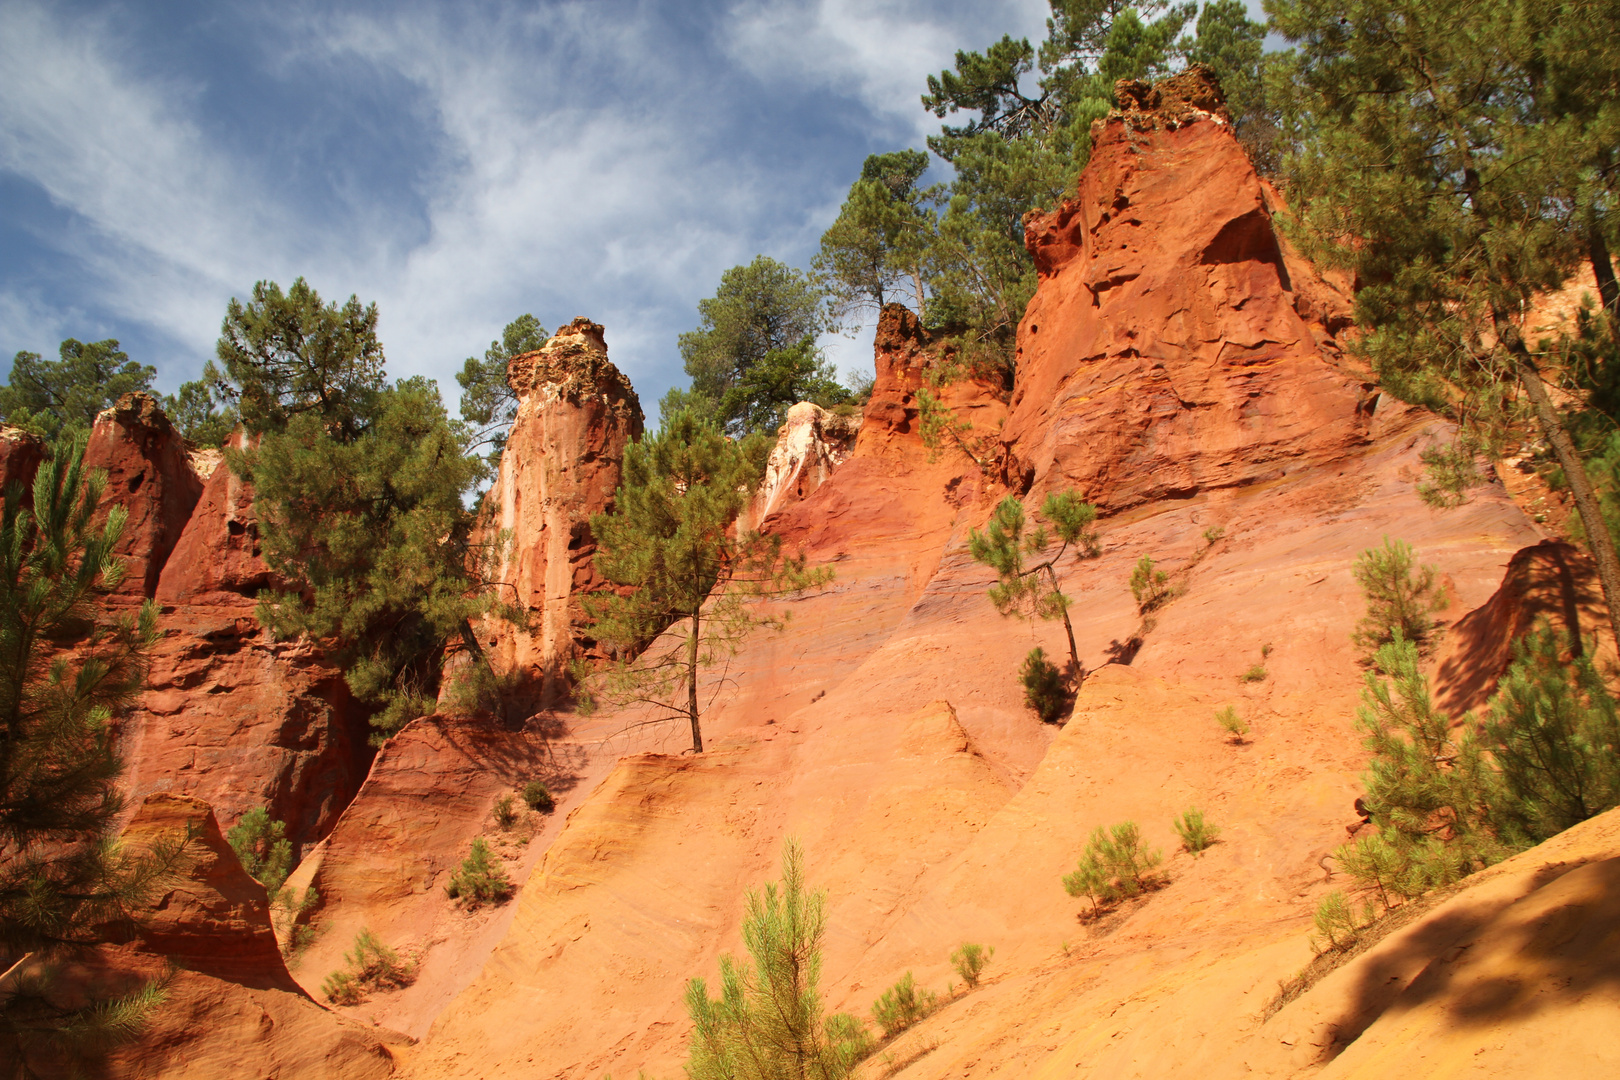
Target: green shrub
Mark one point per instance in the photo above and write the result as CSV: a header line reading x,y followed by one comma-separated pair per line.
x,y
901,1006
970,960
1116,865
371,966
262,846
1045,689
1233,724
538,797
1213,533
341,988
1149,585
1337,923
506,814
1196,833
1257,673
1397,601
481,879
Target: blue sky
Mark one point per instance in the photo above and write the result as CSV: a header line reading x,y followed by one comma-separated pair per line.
x,y
459,164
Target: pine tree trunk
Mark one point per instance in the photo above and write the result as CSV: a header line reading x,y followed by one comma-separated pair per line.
x,y
1068,628
1597,250
1580,486
691,686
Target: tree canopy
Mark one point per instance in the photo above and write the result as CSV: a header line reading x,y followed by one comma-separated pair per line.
x,y
62,397
360,489
61,877
754,353
670,539
488,402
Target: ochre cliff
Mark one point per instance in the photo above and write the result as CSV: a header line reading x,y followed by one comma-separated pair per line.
x,y
576,414
1179,367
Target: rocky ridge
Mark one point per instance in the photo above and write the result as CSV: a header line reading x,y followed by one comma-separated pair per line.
x,y
1179,367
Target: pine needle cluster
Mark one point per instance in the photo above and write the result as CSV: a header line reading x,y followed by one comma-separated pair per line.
x,y
1116,865
767,1023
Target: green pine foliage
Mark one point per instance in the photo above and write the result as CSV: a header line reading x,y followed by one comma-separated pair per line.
x,y
1150,585
488,402
1196,833
1046,691
1026,572
360,490
1554,738
767,1023
902,1005
1457,159
59,399
201,414
1399,601
63,878
754,354
372,966
480,879
1234,725
261,844
1337,922
970,960
538,797
669,537
1117,864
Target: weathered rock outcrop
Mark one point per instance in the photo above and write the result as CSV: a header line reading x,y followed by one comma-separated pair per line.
x,y
812,443
230,1008
217,559
149,473
575,416
21,453
240,721
1174,345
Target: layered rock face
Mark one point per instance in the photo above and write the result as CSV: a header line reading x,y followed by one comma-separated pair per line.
x,y
812,443
217,559
576,414
21,453
1175,344
149,473
228,998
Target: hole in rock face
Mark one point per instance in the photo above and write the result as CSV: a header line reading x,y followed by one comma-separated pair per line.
x,y
235,528
136,481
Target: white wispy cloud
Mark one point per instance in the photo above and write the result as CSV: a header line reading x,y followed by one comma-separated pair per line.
x,y
581,158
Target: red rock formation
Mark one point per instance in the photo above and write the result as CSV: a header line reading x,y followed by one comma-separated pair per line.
x,y
229,1008
576,414
1174,345
21,453
213,917
812,443
149,473
216,559
241,721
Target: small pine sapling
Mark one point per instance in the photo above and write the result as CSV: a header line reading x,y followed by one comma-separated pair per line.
x,y
1025,588
1150,586
481,878
1234,725
1046,691
371,966
1337,923
901,1006
1212,534
1398,601
1116,864
538,797
970,960
1196,833
505,812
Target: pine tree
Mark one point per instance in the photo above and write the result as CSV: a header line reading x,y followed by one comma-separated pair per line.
x,y
1027,590
1554,738
488,402
1399,602
767,1023
63,876
60,398
669,538
359,490
1439,158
